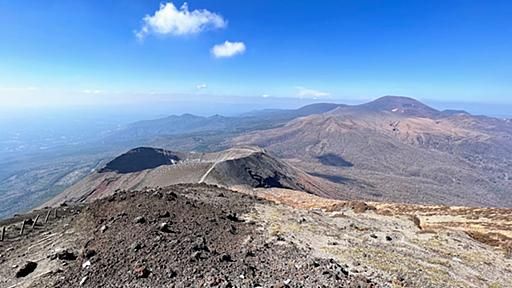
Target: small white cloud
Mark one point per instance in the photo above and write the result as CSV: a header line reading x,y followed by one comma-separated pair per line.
x,y
310,93
228,49
265,96
201,86
169,20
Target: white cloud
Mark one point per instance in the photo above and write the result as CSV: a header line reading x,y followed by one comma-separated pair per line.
x,y
169,20
304,92
265,96
201,86
228,49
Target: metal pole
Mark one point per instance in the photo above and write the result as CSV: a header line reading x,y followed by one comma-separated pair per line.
x,y
2,237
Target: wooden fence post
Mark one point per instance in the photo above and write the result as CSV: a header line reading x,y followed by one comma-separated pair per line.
x,y
47,216
35,221
23,226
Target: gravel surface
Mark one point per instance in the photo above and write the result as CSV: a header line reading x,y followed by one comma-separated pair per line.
x,y
180,236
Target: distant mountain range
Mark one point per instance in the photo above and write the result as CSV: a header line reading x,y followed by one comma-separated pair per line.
x,y
214,217
192,124
400,150
391,149
29,180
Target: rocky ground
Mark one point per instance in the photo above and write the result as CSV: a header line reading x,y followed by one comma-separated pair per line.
x,y
181,236
198,235
396,245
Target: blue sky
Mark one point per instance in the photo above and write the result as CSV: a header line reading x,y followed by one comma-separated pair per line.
x,y
72,52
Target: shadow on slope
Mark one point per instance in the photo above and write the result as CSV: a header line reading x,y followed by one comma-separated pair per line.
x,y
332,159
140,159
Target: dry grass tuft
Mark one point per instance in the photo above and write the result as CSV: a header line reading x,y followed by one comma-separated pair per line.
x,y
356,206
492,239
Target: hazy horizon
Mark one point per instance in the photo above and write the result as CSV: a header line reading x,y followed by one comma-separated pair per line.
x,y
65,54
231,106
74,70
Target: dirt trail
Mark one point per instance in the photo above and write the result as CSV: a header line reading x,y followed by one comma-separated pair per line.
x,y
223,158
230,154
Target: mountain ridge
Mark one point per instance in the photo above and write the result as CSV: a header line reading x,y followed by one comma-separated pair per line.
x,y
241,168
415,153
401,104
480,143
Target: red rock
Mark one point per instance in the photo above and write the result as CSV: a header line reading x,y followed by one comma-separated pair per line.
x,y
141,272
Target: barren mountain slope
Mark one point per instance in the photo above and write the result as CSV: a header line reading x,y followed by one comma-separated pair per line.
x,y
249,167
205,236
27,180
183,236
399,154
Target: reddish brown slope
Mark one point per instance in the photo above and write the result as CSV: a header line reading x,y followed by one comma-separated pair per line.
x,y
388,155
242,168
